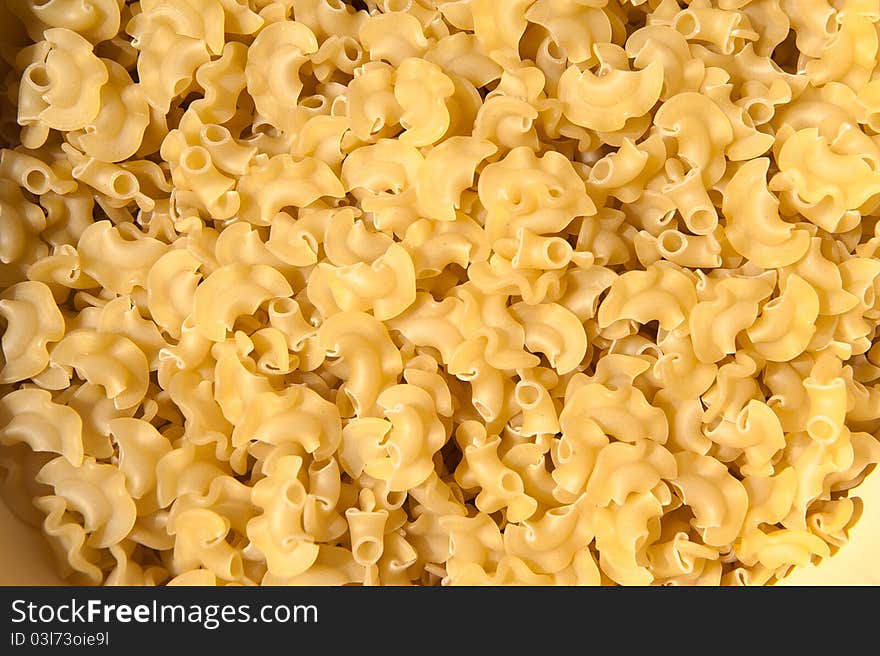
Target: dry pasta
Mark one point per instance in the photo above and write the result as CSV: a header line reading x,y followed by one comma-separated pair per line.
x,y
422,292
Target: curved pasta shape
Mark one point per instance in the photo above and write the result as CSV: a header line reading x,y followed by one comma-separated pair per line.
x,y
827,397
623,413
173,27
231,291
817,172
30,416
272,71
368,358
622,469
97,21
621,536
575,452
756,431
753,226
701,130
141,447
551,543
387,165
421,90
117,263
111,361
118,128
447,170
714,324
188,469
575,27
782,547
663,44
787,323
394,37
719,500
499,29
460,54
625,172
171,287
201,542
75,77
70,537
606,102
436,324
370,103
97,491
280,181
32,321
659,293
270,414
500,487
543,194
278,533
416,434
434,245
387,286
555,331
491,329
507,121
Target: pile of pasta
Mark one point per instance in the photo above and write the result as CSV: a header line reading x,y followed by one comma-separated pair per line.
x,y
424,292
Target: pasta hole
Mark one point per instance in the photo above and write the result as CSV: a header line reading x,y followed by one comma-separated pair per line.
x,y
484,410
760,112
831,23
236,567
527,395
822,430
39,77
554,51
713,425
215,134
671,242
564,452
282,307
687,23
296,495
601,172
395,499
558,252
367,550
124,184
314,102
36,181
195,160
702,221
351,49
336,5
510,482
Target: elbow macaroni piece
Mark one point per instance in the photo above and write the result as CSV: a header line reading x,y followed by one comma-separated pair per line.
x,y
541,292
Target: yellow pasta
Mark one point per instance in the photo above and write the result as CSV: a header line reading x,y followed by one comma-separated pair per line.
x,y
543,292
